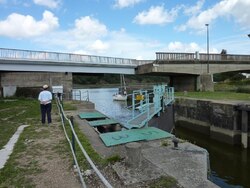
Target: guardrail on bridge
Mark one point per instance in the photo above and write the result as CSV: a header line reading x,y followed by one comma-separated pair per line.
x,y
200,57
29,55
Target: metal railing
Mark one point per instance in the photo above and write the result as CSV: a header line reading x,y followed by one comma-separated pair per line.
x,y
75,137
30,55
80,95
162,95
200,56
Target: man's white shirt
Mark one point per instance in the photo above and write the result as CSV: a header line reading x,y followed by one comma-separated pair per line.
x,y
45,97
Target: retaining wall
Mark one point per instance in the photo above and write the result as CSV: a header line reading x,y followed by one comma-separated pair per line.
x,y
222,120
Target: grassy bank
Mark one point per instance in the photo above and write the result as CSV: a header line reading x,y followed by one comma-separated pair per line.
x,y
16,112
215,95
37,145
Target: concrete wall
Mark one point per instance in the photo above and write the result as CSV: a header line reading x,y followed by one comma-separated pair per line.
x,y
34,79
184,83
221,120
205,82
165,121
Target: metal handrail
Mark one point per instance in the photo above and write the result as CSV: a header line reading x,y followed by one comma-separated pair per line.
x,y
102,178
18,54
80,95
70,144
201,56
159,92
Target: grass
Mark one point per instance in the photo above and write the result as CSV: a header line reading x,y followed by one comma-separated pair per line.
x,y
22,163
14,113
164,182
215,95
88,148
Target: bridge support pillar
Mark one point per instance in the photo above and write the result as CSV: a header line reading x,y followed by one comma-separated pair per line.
x,y
10,81
183,82
205,82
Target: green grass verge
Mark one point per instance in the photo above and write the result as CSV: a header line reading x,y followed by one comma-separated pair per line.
x,y
215,95
14,113
16,174
164,182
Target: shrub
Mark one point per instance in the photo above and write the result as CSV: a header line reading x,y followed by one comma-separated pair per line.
x,y
27,92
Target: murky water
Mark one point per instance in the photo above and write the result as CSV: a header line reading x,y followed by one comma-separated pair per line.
x,y
230,165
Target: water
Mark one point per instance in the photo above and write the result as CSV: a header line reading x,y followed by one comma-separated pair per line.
x,y
104,103
230,165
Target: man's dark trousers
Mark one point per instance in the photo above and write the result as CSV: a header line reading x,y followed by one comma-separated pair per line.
x,y
46,110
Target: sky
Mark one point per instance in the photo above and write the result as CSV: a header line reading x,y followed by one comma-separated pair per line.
x,y
126,28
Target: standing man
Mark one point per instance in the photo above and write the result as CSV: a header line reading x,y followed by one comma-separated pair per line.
x,y
45,98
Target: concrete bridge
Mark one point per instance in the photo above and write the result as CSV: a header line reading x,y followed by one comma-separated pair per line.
x,y
193,71
187,71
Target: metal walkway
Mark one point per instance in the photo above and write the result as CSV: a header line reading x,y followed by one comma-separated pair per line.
x,y
162,95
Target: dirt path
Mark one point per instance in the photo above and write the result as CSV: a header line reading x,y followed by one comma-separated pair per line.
x,y
49,153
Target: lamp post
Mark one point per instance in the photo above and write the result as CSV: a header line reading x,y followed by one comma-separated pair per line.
x,y
207,47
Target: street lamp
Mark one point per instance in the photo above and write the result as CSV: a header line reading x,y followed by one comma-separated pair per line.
x,y
207,47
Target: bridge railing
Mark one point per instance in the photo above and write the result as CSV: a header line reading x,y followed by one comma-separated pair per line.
x,y
200,56
17,54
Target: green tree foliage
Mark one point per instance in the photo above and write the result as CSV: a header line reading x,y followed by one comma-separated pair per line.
x,y
86,79
230,76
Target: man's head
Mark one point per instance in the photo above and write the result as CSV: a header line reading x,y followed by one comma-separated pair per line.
x,y
45,86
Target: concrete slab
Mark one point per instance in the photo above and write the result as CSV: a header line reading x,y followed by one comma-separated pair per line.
x,y
130,176
8,148
188,164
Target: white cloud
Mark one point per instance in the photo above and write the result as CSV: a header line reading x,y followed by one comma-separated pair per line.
x,y
48,3
234,9
192,47
156,15
87,27
99,46
20,26
193,10
181,47
126,3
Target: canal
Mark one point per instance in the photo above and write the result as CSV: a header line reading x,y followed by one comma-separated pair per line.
x,y
230,165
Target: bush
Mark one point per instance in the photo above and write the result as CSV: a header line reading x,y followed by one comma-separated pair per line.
x,y
27,92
